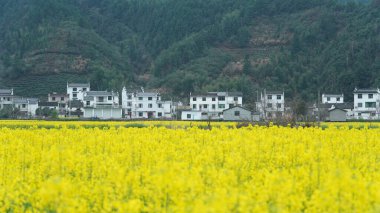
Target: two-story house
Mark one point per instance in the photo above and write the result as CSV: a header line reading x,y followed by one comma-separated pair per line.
x,y
271,104
366,103
146,105
102,105
332,98
61,99
27,106
212,104
76,90
6,98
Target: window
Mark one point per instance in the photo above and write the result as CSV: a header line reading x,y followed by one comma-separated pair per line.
x,y
53,98
140,114
101,99
370,96
75,95
278,97
75,89
160,114
129,97
230,105
236,98
237,113
204,99
370,104
373,114
188,116
279,105
269,97
194,106
110,98
159,105
221,98
360,105
150,98
62,98
359,114
269,105
194,99
213,106
337,99
205,106
24,106
221,106
8,99
360,96
84,89
269,114
129,104
328,98
140,98
150,105
88,103
141,105
213,99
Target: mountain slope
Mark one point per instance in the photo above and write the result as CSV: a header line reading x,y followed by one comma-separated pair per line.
x,y
181,46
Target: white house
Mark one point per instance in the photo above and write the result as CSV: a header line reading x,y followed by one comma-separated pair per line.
x,y
332,98
271,104
366,104
76,90
6,97
214,103
146,105
192,115
101,99
27,106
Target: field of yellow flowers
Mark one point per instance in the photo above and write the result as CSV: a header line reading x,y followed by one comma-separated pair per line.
x,y
183,167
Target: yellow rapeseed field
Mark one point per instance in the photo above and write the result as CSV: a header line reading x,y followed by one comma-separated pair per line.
x,y
184,167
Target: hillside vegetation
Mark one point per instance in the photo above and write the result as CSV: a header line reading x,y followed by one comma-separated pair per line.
x,y
182,46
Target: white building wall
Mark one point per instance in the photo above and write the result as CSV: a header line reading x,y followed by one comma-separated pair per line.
x,y
367,105
332,99
143,105
214,103
191,116
79,92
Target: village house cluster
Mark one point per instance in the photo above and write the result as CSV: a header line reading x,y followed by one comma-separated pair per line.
x,y
80,101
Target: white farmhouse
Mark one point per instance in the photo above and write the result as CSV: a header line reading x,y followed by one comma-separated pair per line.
x,y
76,90
271,104
332,98
6,98
214,103
102,105
26,106
366,104
101,99
146,105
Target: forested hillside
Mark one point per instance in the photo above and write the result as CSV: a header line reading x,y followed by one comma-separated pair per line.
x,y
183,46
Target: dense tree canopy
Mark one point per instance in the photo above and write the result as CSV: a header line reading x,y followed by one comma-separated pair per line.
x,y
182,46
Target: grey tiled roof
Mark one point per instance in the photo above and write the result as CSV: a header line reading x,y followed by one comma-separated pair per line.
x,y
215,94
274,92
88,98
333,95
100,93
47,104
368,90
78,84
25,101
5,91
